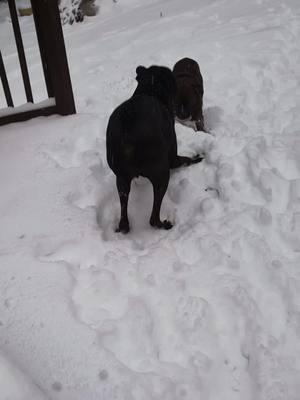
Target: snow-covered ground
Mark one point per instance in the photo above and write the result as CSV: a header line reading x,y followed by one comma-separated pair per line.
x,y
208,310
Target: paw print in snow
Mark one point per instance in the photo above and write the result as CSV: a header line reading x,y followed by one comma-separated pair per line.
x,y
192,313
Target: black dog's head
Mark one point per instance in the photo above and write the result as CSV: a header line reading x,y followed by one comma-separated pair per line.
x,y
158,82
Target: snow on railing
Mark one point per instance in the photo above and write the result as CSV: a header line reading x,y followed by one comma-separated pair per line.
x,y
27,107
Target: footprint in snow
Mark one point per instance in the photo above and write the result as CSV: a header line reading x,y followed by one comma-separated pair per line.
x,y
91,188
192,314
73,151
177,192
212,117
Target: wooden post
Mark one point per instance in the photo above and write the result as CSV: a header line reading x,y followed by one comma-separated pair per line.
x,y
53,54
38,21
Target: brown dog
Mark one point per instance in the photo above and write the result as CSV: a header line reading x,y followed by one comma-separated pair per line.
x,y
189,98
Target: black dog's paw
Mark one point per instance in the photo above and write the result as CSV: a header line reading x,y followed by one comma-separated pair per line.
x,y
167,224
161,224
123,227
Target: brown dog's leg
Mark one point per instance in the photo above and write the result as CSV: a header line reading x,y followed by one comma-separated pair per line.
x,y
123,186
200,125
160,185
197,116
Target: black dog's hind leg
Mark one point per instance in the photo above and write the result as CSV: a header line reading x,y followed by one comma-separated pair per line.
x,y
160,185
123,186
181,161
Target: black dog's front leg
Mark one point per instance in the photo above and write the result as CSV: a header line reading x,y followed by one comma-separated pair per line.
x,y
181,161
123,186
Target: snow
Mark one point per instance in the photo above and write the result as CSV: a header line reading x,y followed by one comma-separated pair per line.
x,y
23,3
14,384
209,309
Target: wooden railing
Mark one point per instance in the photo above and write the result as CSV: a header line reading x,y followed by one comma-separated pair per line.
x,y
54,62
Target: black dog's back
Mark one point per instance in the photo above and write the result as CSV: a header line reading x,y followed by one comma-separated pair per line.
x,y
138,137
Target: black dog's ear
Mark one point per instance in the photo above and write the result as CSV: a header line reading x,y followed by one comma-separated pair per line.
x,y
140,72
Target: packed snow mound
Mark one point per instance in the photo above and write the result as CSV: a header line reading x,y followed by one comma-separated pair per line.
x,y
209,309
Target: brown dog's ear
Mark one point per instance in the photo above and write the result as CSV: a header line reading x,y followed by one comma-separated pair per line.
x,y
140,72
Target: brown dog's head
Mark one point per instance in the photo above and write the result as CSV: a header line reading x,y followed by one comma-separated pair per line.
x,y
188,101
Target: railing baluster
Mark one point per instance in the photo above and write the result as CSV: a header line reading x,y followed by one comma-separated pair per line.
x,y
5,84
20,48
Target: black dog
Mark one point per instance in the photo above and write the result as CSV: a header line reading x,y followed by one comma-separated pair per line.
x,y
141,140
189,98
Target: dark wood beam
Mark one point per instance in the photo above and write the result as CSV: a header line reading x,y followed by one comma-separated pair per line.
x,y
24,116
50,36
